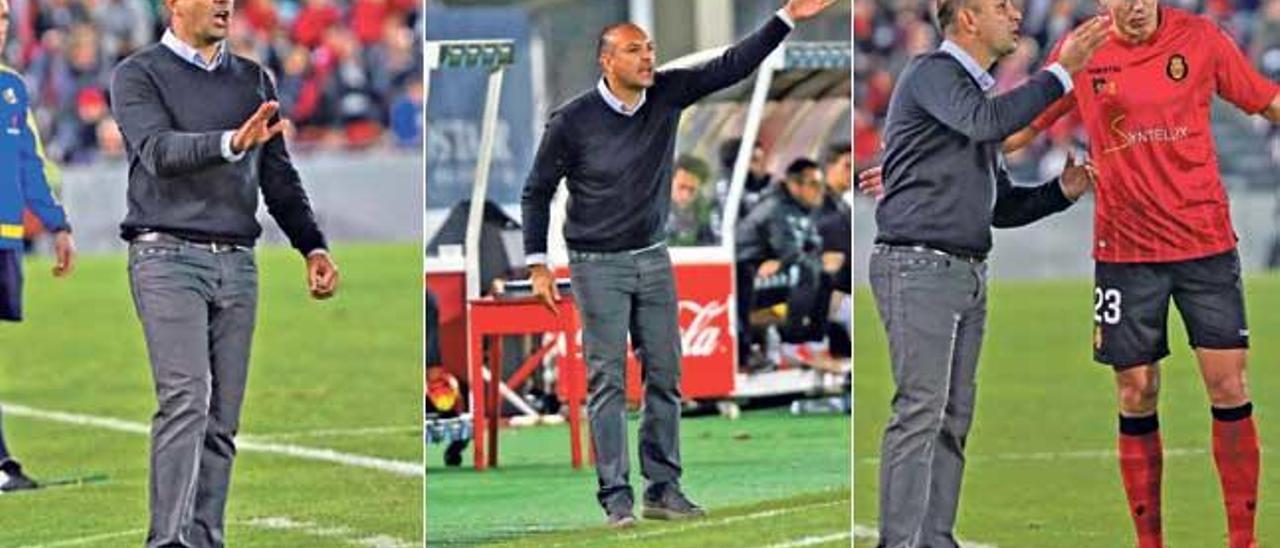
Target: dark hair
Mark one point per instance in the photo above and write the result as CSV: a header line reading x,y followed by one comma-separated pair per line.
x,y
944,13
695,166
603,40
798,167
729,151
835,151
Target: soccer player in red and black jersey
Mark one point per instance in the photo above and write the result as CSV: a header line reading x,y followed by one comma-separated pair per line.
x,y
1162,230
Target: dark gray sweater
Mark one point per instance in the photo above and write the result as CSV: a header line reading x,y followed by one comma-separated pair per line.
x,y
618,167
173,115
945,182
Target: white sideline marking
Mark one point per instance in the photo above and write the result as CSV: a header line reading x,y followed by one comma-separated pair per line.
x,y
334,432
810,541
731,519
869,533
403,468
342,533
89,539
1056,455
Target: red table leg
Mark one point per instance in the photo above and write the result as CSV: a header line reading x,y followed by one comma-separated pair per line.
x,y
475,365
495,396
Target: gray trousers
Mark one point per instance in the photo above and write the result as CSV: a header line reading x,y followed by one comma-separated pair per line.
x,y
619,294
934,310
197,309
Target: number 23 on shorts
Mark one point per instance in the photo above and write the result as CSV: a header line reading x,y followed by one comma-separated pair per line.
x,y
1106,305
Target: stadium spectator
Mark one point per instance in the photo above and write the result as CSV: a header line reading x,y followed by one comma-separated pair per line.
x,y
407,115
778,259
689,222
66,48
758,177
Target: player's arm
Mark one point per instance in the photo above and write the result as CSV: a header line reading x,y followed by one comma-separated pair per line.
x,y
35,174
550,165
1238,82
742,58
1046,119
148,127
1272,111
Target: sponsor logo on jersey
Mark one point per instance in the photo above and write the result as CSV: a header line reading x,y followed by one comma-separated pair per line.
x,y
1125,138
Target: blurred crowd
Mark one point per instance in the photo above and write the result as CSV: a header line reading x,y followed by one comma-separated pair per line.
x,y
348,72
888,33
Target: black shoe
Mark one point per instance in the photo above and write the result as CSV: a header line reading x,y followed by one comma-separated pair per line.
x,y
671,505
12,478
453,453
621,519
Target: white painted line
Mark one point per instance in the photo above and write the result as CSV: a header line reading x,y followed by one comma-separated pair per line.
x,y
339,532
1057,455
811,541
335,432
92,539
704,523
403,468
869,533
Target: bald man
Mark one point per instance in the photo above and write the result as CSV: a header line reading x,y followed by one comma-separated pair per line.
x,y
614,145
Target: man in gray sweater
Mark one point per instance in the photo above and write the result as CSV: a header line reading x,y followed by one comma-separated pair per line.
x,y
945,186
203,140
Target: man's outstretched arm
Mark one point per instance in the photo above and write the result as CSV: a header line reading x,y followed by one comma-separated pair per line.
x,y
742,58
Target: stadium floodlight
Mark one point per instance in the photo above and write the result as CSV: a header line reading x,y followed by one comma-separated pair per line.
x,y
494,56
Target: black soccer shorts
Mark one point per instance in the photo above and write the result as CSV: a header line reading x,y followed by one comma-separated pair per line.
x,y
11,285
1131,307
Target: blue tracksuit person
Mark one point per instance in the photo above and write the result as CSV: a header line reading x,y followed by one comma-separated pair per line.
x,y
24,184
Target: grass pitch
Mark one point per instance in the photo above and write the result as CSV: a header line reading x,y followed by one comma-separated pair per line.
x,y
767,479
1041,465
343,375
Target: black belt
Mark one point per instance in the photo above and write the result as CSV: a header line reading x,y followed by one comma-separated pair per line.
x,y
921,248
214,247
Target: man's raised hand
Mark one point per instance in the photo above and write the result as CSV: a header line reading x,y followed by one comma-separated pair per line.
x,y
258,129
800,10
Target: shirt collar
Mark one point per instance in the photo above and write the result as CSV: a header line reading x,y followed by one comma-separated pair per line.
x,y
190,54
984,78
615,103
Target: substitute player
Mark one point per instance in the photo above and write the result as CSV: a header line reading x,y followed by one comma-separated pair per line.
x,y
615,144
23,183
1162,230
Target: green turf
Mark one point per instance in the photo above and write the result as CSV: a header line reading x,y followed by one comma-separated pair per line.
x,y
352,362
763,461
1040,392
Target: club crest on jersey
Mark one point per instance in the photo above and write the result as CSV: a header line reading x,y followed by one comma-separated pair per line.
x,y
1102,87
1176,69
10,96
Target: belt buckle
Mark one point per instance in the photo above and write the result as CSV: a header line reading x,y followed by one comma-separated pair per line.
x,y
147,237
219,247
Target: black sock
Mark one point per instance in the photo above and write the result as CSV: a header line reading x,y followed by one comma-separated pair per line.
x,y
1139,426
1231,414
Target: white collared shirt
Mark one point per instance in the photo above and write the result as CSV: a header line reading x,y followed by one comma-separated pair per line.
x,y
984,78
191,54
616,104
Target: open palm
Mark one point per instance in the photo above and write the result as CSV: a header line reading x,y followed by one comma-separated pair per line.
x,y
804,9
